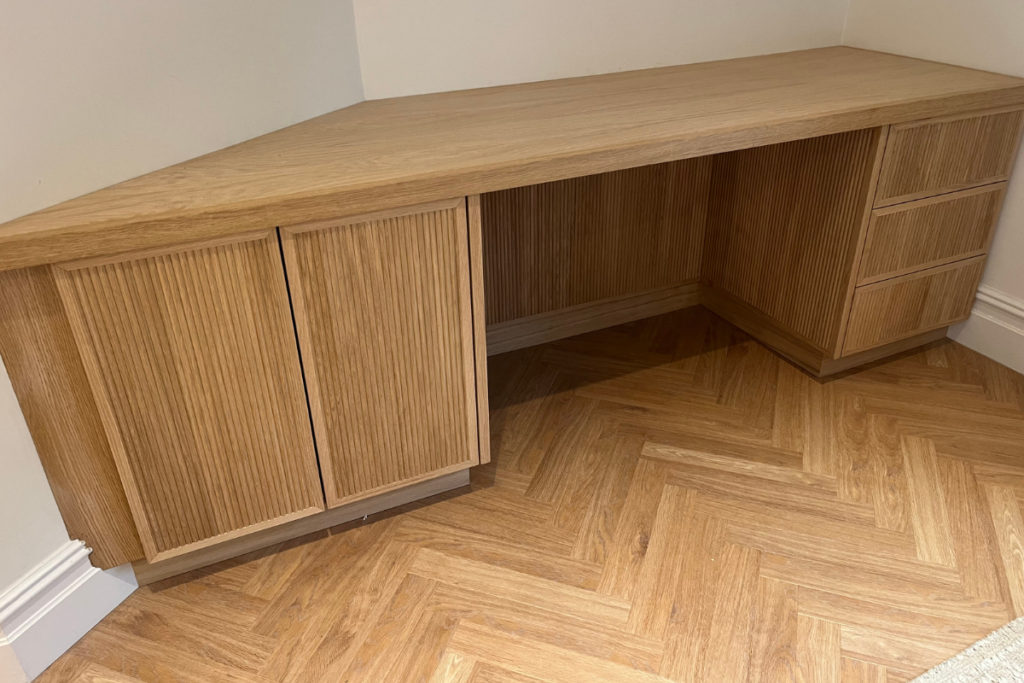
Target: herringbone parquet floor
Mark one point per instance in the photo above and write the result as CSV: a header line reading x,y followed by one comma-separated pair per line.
x,y
669,500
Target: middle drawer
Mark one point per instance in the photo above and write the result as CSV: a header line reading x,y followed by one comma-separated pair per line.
x,y
906,238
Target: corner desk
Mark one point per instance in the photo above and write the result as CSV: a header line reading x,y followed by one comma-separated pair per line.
x,y
292,332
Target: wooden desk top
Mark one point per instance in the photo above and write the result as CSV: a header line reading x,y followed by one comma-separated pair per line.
x,y
394,152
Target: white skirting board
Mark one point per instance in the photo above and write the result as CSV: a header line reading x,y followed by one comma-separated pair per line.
x,y
53,606
995,328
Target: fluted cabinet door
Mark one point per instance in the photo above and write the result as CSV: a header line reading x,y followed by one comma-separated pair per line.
x,y
385,322
191,356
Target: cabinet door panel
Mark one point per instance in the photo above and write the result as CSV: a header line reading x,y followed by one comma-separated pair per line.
x,y
192,358
383,310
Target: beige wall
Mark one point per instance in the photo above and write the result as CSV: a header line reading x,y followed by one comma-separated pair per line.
x,y
983,34
97,92
32,527
409,46
101,91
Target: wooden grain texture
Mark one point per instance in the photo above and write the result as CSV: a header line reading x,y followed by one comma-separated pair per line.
x,y
567,322
192,360
930,157
765,329
1009,532
42,360
784,225
573,242
384,316
903,307
930,232
146,573
706,550
386,153
476,281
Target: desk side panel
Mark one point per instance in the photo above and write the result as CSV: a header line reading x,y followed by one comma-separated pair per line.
x,y
784,222
46,370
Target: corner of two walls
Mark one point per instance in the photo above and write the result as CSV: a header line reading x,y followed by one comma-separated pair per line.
x,y
99,93
981,35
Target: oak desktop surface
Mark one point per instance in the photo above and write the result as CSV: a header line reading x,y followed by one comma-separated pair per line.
x,y
387,153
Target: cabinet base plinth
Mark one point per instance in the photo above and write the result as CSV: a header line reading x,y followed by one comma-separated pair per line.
x,y
146,572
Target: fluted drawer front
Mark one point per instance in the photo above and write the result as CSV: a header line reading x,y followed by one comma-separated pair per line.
x,y
192,358
929,232
382,307
932,157
913,304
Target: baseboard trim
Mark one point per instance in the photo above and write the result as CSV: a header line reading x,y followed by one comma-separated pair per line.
x,y
146,572
765,329
995,328
797,350
854,360
568,322
55,604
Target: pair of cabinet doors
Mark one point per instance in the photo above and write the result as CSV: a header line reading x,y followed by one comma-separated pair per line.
x,y
253,380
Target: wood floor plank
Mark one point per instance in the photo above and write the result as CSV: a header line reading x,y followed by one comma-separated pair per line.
x,y
773,654
890,493
518,587
783,475
974,544
653,596
385,650
893,590
818,648
928,511
540,660
596,537
584,636
953,632
624,562
887,650
856,671
791,426
1009,528
519,557
454,668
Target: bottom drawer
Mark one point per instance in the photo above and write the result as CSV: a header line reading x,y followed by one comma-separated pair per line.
x,y
895,309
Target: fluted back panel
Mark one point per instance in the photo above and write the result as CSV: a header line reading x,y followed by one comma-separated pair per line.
x,y
383,311
576,241
193,361
783,226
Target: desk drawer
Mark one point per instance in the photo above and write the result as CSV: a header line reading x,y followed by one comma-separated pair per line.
x,y
930,232
888,311
926,158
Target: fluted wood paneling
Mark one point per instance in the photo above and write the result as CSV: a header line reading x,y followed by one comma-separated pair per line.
x,y
929,232
577,241
384,316
45,368
783,228
910,305
942,155
193,363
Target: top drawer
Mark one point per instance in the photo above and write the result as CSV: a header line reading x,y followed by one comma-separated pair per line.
x,y
931,157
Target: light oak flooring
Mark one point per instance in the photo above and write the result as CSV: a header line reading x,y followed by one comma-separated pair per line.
x,y
668,499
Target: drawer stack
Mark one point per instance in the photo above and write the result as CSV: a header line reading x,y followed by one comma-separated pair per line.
x,y
938,198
